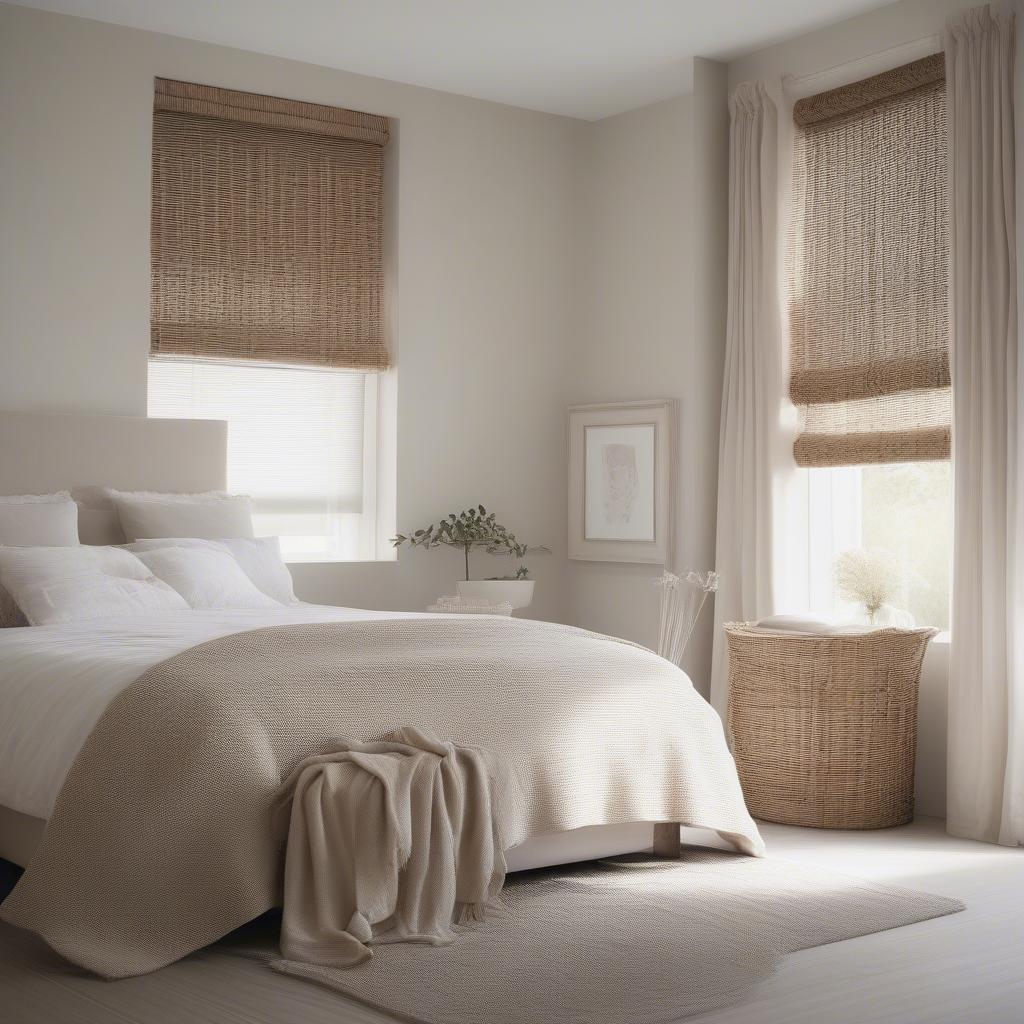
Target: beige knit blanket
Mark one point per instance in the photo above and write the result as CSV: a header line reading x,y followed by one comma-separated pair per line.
x,y
163,837
388,842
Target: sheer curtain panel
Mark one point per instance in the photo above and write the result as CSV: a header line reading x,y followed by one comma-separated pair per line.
x,y
743,556
986,687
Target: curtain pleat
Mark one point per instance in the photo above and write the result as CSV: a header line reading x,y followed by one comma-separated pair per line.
x,y
986,687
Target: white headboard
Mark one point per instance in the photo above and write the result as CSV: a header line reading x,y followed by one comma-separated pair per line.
x,y
45,452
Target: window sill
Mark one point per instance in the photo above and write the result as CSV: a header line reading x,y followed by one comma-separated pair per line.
x,y
322,560
941,639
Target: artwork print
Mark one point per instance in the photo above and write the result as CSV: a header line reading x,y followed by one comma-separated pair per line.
x,y
619,484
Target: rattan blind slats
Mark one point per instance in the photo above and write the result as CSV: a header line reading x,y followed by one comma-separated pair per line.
x,y
266,230
868,313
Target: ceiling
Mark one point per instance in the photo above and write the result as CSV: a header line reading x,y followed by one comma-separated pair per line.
x,y
582,58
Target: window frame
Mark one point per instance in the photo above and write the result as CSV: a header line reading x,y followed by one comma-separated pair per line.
x,y
377,513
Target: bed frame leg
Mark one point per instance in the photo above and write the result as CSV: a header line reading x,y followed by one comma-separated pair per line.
x,y
666,840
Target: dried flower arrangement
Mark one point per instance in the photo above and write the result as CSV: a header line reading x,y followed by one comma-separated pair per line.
x,y
869,578
682,599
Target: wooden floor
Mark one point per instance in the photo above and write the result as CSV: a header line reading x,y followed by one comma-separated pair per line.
x,y
967,968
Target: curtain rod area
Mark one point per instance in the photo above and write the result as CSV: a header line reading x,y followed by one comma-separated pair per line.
x,y
865,66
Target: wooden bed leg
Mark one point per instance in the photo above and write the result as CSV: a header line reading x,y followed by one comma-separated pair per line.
x,y
666,840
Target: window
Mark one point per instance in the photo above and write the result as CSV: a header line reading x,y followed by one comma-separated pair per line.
x,y
868,318
298,440
267,295
902,509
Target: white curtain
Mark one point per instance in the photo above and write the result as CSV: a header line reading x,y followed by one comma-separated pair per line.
x,y
986,690
750,398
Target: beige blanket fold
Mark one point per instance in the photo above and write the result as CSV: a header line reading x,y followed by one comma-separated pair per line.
x,y
164,836
388,842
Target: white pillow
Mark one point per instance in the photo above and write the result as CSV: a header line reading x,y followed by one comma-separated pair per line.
x,y
205,577
71,584
36,520
208,516
30,520
259,558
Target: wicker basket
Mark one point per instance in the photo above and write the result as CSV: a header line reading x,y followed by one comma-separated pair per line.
x,y
824,728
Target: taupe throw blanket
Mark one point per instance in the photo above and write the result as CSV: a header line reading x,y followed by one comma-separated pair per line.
x,y
388,842
163,839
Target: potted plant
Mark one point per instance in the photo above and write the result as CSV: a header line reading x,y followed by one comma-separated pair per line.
x,y
478,528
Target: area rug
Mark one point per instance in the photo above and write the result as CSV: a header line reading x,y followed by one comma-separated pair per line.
x,y
630,940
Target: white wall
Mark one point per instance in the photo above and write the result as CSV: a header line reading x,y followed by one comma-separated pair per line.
x,y
484,209
651,266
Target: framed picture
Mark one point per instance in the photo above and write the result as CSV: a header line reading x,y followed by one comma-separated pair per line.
x,y
620,481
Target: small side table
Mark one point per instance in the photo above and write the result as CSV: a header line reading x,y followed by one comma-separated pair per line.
x,y
824,726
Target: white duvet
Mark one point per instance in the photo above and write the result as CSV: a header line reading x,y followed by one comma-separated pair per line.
x,y
56,681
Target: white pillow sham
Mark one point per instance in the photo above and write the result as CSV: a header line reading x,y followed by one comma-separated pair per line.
x,y
259,558
206,577
209,516
31,520
71,584
38,520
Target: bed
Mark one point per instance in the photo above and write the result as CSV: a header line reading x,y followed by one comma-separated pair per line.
x,y
60,686
56,681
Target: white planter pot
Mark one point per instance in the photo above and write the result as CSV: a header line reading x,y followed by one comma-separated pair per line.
x,y
518,593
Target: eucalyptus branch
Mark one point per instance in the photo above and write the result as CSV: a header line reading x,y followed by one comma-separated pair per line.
x,y
471,528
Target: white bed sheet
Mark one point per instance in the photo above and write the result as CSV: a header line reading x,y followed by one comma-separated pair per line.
x,y
56,681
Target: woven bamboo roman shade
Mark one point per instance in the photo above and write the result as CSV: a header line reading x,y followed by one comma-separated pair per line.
x,y
266,231
868,313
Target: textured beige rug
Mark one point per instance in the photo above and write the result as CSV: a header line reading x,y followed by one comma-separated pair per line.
x,y
626,941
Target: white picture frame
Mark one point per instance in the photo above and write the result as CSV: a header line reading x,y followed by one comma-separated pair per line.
x,y
621,468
